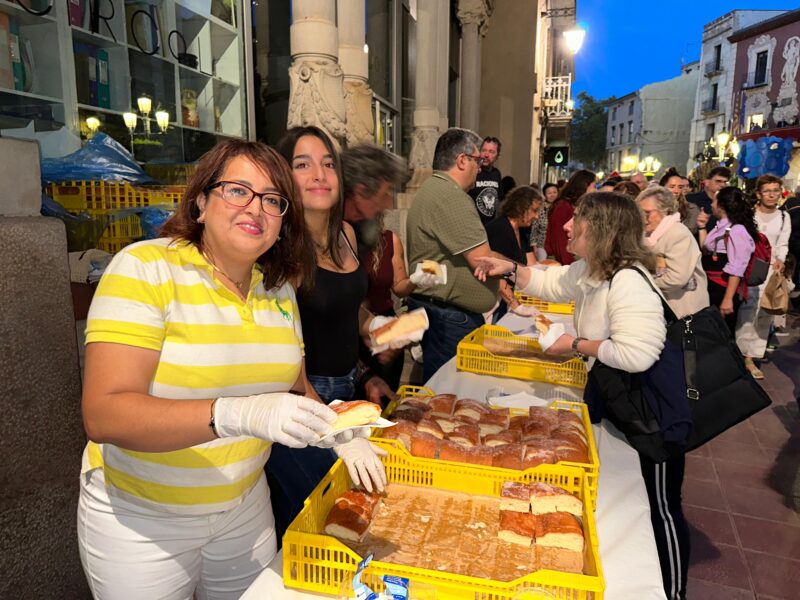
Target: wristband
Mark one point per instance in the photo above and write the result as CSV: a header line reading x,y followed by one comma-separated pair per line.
x,y
211,422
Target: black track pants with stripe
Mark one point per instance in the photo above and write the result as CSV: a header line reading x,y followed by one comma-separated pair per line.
x,y
663,482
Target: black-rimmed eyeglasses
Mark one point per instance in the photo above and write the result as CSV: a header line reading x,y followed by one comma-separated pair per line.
x,y
240,195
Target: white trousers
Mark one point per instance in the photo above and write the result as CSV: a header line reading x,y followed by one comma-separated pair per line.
x,y
134,553
752,327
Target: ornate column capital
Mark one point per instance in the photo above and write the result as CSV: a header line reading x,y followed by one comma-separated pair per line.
x,y
475,12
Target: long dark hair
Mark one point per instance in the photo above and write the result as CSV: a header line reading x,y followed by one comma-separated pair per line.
x,y
286,147
575,187
738,209
287,258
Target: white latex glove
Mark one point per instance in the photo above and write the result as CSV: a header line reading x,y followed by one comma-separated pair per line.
x,y
363,462
423,280
294,421
379,321
342,437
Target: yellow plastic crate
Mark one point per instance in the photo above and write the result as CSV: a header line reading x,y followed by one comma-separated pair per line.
x,y
592,468
544,305
105,195
127,227
320,563
472,356
113,245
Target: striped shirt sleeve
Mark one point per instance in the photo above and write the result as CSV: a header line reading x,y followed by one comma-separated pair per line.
x,y
129,304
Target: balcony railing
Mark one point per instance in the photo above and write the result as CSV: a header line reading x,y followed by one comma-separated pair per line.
x,y
755,79
555,95
711,106
712,68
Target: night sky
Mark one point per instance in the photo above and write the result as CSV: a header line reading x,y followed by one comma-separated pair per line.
x,y
632,43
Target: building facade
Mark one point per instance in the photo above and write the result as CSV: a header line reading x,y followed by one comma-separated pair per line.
x,y
765,83
667,109
623,144
712,105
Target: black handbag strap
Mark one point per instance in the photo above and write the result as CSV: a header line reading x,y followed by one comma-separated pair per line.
x,y
688,345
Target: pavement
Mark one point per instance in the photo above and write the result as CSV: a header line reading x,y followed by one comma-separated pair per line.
x,y
741,495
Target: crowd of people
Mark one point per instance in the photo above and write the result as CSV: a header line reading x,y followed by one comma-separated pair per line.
x,y
213,351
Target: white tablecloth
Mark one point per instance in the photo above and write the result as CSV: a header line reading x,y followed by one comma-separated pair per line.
x,y
627,548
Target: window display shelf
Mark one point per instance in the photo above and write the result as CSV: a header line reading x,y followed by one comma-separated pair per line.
x,y
186,56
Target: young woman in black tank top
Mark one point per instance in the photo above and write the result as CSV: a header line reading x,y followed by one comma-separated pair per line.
x,y
330,298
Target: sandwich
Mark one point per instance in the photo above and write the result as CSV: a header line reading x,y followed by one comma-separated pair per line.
x,y
355,414
542,324
432,267
400,327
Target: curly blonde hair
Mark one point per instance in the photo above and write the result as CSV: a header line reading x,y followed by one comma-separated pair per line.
x,y
615,230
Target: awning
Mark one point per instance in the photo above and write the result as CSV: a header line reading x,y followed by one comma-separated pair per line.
x,y
781,132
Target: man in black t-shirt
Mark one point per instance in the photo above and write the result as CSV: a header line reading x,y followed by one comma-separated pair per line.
x,y
717,179
486,192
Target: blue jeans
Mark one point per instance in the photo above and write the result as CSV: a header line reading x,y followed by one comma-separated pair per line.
x,y
293,473
448,326
334,388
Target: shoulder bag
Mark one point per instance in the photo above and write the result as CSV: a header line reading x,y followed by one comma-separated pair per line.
x,y
698,387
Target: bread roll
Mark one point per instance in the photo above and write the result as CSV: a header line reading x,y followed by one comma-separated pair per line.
x,y
537,455
354,414
542,324
535,428
448,424
452,451
402,431
547,498
470,408
559,530
569,417
442,404
345,524
498,439
516,527
480,455
517,422
412,414
515,496
412,404
559,559
428,425
544,416
508,456
400,327
432,267
424,445
466,435
571,453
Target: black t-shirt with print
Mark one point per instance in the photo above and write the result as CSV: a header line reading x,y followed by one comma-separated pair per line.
x,y
486,193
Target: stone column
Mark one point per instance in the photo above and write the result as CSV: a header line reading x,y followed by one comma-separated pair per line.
x,y
317,94
426,112
442,61
474,17
355,64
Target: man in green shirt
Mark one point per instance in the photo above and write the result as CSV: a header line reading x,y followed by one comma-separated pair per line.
x,y
443,225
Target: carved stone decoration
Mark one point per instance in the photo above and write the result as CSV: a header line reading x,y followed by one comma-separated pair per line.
x,y
787,106
358,107
757,102
420,160
316,97
475,12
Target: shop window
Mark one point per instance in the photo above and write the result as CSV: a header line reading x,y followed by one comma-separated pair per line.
x,y
380,27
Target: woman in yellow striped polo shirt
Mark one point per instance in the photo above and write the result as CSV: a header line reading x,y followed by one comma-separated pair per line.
x,y
193,347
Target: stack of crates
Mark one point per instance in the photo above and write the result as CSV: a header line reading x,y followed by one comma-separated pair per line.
x,y
105,200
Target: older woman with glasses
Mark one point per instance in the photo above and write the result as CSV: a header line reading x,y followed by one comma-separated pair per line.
x,y
679,269
193,347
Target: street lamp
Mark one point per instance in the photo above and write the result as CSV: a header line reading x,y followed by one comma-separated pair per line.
x,y
574,38
723,148
649,166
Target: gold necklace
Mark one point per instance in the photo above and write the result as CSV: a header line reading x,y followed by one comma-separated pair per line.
x,y
239,284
